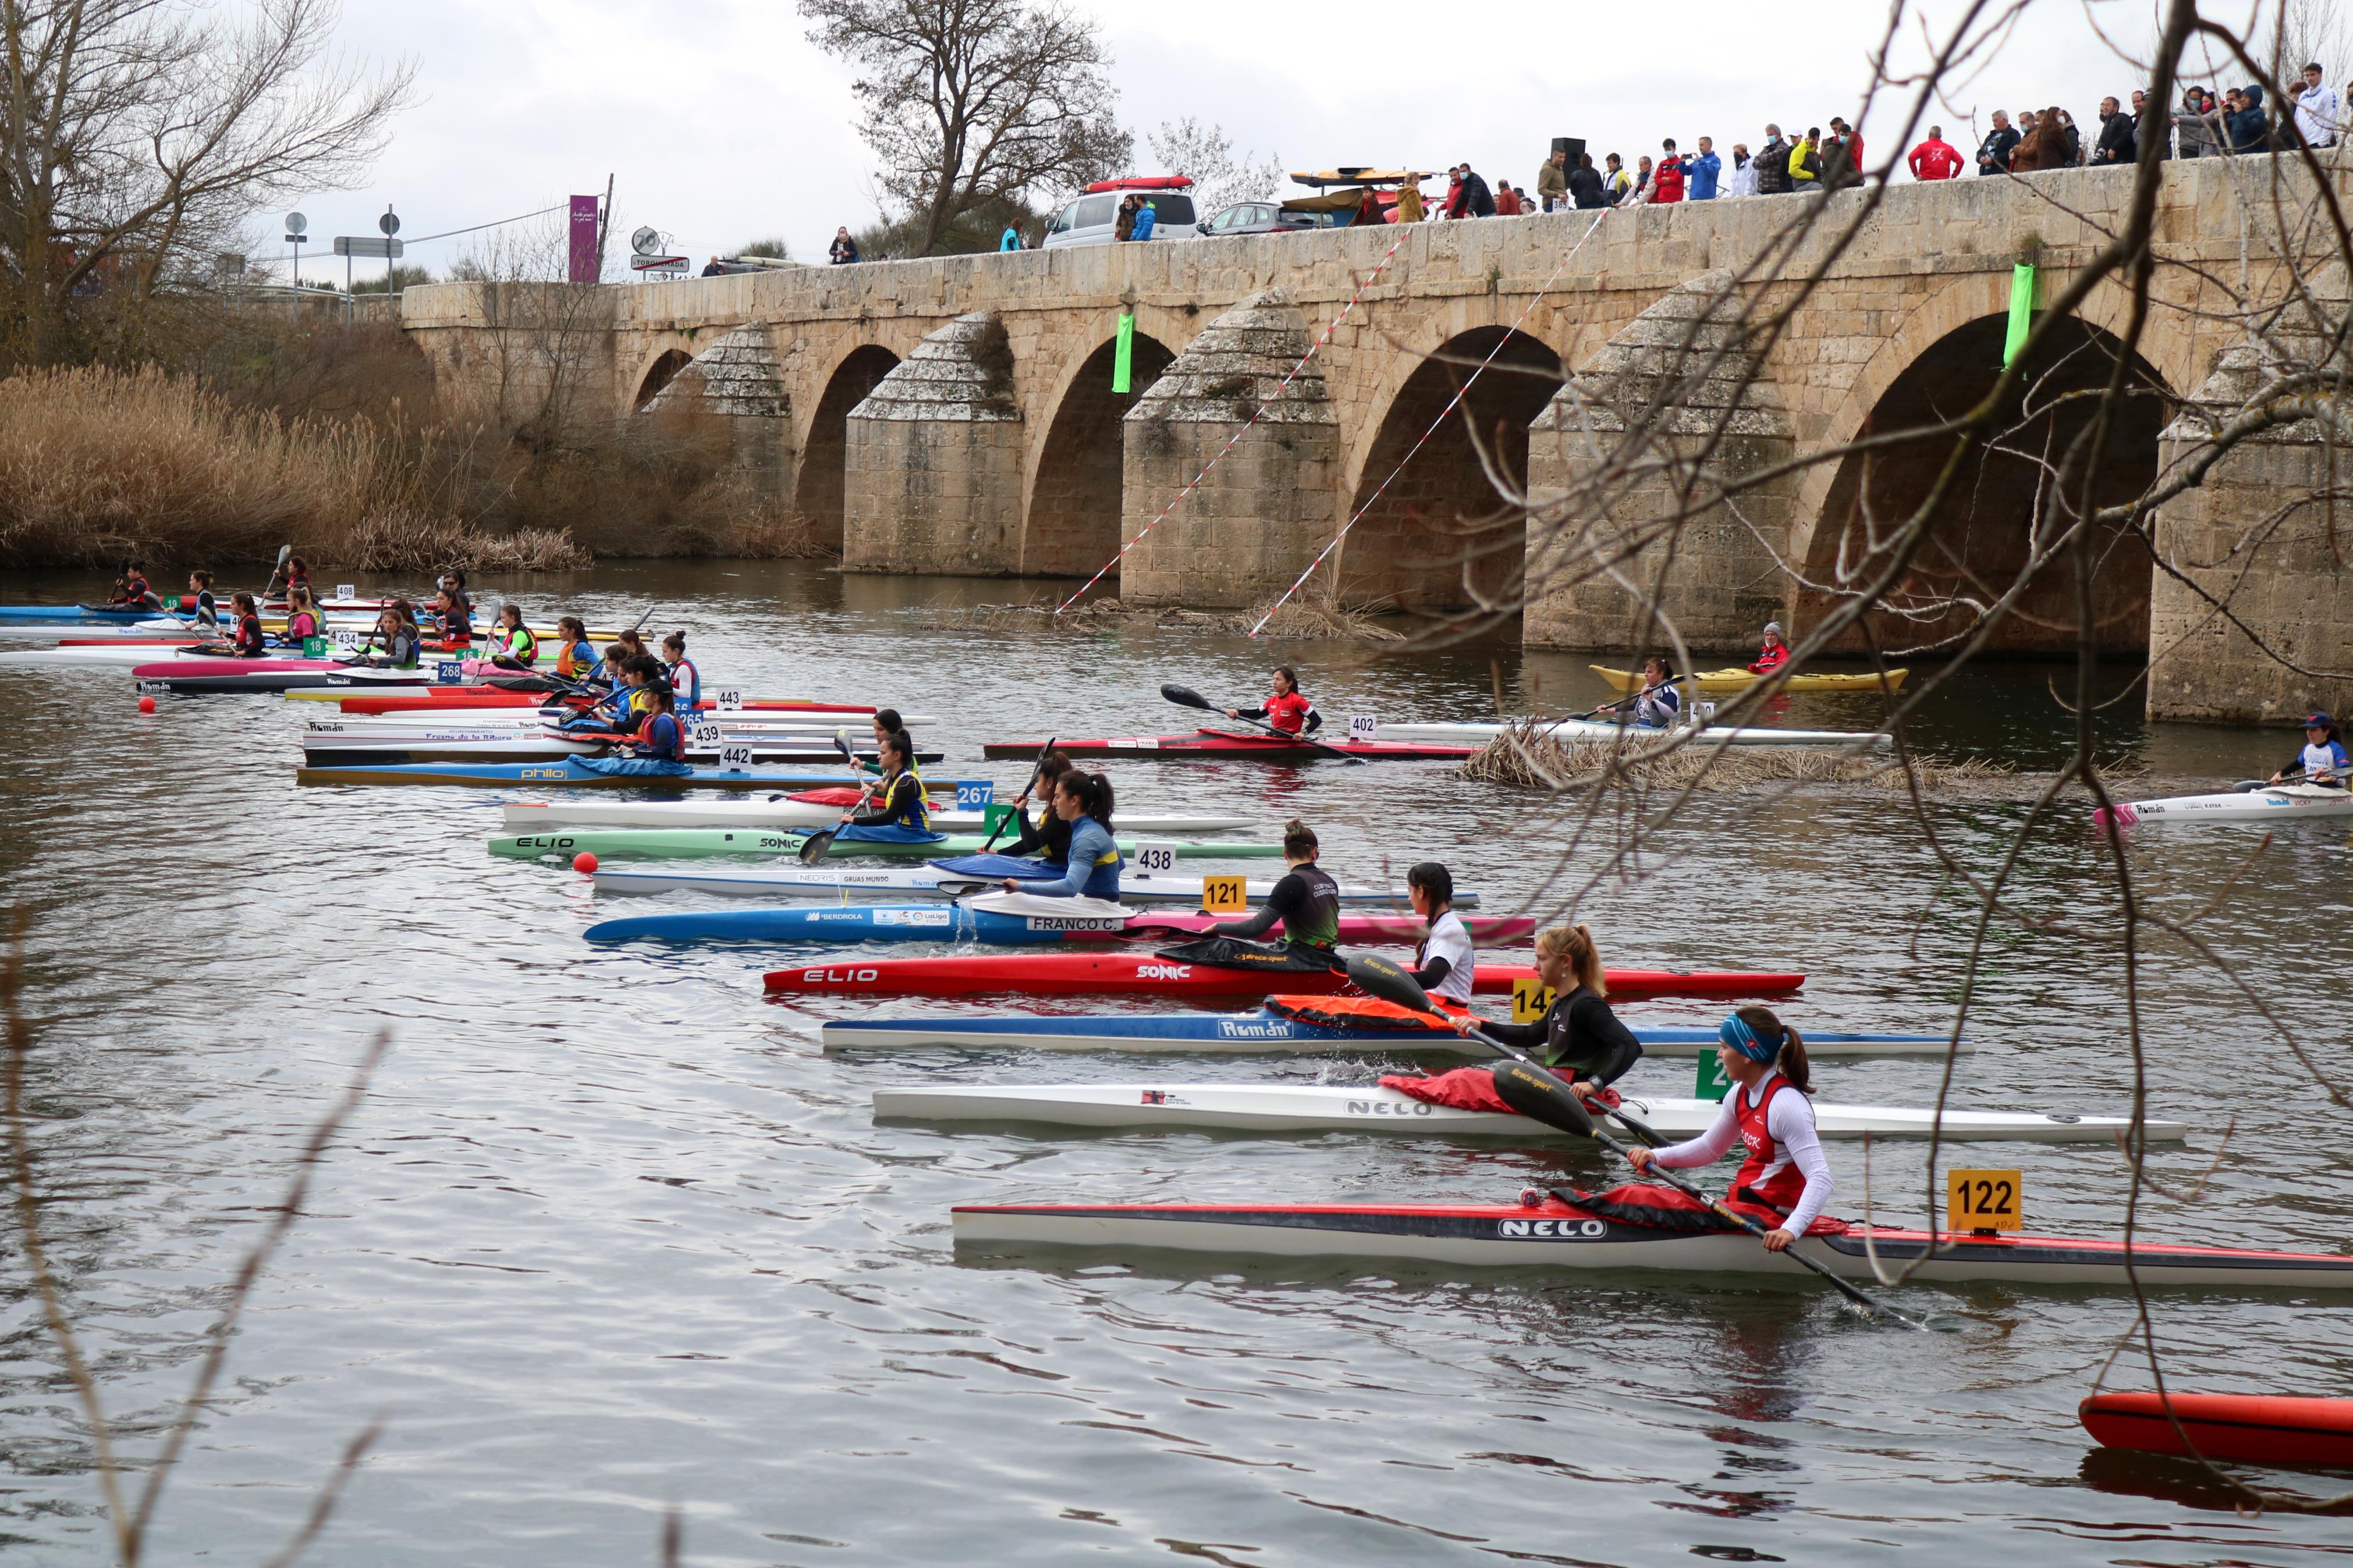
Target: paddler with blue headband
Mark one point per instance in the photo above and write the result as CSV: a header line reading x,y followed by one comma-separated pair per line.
x,y
1785,1180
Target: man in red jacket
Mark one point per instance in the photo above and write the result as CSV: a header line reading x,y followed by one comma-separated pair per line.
x,y
1935,159
1667,182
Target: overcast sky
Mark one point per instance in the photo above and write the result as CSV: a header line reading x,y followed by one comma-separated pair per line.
x,y
721,124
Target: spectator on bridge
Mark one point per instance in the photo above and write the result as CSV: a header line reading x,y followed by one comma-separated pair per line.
x,y
1772,164
1843,156
1552,180
1507,199
1742,180
2243,119
1585,185
1667,179
843,249
1010,240
2070,139
2119,140
1147,218
1409,203
1993,153
1122,222
2041,147
713,269
2158,127
1936,158
1472,199
1701,171
2317,117
1639,191
1806,162
1617,183
2198,124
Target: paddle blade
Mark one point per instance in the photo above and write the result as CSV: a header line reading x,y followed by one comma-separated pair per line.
x,y
1540,1097
1388,980
814,847
841,744
1186,697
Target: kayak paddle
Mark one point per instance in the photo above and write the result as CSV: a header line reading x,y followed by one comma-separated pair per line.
x,y
1186,697
1034,773
1537,1094
813,848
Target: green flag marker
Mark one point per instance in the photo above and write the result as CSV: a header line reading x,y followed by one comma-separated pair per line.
x,y
2021,310
1713,1084
1123,363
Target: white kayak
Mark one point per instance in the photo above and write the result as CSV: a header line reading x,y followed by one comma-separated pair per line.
x,y
826,882
783,811
117,655
1323,1108
1598,730
2280,803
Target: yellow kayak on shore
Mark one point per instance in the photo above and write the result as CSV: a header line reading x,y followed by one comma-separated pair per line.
x,y
1741,680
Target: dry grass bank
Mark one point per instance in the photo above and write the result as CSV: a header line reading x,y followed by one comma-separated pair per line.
x,y
1297,621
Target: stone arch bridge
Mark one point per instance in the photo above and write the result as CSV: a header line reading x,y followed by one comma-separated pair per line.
x,y
958,415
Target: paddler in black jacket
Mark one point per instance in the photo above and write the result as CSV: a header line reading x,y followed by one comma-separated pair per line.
x,y
1049,837
1580,1039
1306,901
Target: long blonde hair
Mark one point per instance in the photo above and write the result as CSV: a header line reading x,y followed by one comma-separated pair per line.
x,y
1576,944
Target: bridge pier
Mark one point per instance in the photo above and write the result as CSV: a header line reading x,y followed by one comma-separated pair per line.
x,y
931,459
1597,545
1255,518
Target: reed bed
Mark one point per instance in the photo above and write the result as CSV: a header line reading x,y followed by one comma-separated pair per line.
x,y
1294,622
1531,756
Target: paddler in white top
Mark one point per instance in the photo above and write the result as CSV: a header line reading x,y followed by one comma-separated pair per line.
x,y
1444,962
1658,705
2322,761
1769,1111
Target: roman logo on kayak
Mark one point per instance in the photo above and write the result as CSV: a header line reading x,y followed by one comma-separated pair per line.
x,y
1559,1228
1254,1029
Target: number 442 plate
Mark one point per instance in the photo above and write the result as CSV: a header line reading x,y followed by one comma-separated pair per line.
x,y
1985,1200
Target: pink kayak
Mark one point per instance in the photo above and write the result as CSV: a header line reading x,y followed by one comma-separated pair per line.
x,y
189,675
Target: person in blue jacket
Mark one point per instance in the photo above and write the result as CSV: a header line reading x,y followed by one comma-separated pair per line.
x,y
1084,801
1145,218
1700,171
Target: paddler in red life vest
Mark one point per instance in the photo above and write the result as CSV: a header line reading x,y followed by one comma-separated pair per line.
x,y
1769,1114
512,645
250,643
1286,710
656,748
133,591
1773,655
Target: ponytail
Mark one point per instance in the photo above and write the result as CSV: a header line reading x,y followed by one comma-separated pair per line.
x,y
1791,1057
1575,943
1093,793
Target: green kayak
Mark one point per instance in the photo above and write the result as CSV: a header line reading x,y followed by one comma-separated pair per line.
x,y
697,843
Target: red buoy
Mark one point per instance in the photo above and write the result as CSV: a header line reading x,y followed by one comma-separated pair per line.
x,y
584,862
146,705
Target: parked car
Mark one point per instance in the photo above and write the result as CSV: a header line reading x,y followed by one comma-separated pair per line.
x,y
1093,218
1264,218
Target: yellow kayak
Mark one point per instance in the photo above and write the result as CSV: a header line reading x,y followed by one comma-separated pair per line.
x,y
1741,680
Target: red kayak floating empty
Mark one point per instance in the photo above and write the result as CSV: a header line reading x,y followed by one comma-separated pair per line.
x,y
1149,975
2252,1428
1224,746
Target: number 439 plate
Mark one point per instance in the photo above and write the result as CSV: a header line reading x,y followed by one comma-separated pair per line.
x,y
1985,1200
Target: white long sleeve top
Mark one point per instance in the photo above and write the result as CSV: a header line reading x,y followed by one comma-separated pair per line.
x,y
1790,1119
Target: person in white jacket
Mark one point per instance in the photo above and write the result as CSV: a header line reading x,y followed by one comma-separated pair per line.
x,y
1740,180
2317,117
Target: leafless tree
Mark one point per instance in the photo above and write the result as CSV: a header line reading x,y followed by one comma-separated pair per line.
x,y
1207,154
134,133
967,100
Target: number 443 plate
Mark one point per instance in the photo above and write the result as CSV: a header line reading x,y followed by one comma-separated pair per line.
x,y
1985,1200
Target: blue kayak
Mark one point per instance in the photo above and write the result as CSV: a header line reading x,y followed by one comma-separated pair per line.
x,y
891,923
571,772
75,614
1246,1034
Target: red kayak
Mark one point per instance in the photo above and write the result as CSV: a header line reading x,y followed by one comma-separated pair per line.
x,y
1226,746
2253,1428
1148,974
444,699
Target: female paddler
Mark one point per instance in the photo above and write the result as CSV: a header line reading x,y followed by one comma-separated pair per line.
x,y
1050,834
679,671
657,749
1579,1037
897,799
2322,761
512,643
393,644
1769,1112
1285,708
575,658
1084,801
1658,704
1305,900
250,643
1444,964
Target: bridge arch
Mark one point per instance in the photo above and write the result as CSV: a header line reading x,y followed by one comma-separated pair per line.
x,y
1071,524
1981,536
659,375
817,495
1434,533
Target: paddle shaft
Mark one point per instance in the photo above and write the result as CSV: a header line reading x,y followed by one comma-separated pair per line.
x,y
814,847
1035,774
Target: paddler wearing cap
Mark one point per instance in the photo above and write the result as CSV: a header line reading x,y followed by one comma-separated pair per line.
x,y
1773,655
2322,761
1579,1037
1769,1113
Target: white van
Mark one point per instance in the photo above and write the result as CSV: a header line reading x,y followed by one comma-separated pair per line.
x,y
1089,220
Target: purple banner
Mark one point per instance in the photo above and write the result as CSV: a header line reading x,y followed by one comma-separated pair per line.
x,y
584,261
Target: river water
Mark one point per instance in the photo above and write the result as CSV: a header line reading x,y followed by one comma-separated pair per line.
x,y
609,1236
